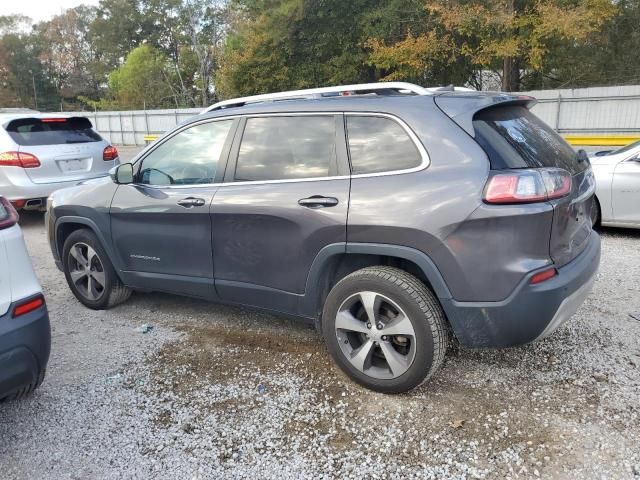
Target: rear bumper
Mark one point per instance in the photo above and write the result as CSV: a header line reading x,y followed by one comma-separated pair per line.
x,y
16,185
531,312
25,344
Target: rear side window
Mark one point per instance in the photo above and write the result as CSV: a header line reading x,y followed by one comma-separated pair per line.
x,y
513,137
280,148
379,144
52,131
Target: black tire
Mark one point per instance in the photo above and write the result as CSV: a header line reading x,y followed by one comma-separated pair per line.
x,y
25,391
596,213
113,292
416,301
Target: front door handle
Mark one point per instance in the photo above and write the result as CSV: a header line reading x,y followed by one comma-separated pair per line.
x,y
191,202
318,201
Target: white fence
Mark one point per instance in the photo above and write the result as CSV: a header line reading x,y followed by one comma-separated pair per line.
x,y
590,111
130,127
584,111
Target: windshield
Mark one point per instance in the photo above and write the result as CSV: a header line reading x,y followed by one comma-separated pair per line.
x,y
626,148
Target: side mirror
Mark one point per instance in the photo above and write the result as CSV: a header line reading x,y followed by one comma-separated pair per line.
x,y
603,153
122,174
635,158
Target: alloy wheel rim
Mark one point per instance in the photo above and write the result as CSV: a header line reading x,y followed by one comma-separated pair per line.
x,y
86,271
375,335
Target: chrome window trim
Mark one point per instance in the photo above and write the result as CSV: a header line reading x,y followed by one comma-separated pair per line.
x,y
425,159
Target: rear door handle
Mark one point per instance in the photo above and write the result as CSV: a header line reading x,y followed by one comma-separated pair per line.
x,y
318,201
191,202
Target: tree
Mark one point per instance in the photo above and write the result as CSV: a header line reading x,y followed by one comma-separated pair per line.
x,y
207,23
118,28
24,81
142,81
68,54
511,36
281,44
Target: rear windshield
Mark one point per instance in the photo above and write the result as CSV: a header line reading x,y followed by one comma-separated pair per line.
x,y
51,131
513,137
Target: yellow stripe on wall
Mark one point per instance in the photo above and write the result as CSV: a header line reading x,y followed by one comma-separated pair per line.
x,y
601,140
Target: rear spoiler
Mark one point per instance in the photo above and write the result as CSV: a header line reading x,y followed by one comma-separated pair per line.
x,y
79,123
461,108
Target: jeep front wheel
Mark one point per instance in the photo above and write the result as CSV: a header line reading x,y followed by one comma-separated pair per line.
x,y
89,272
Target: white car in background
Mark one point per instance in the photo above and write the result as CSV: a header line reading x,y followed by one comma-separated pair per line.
x,y
25,333
617,175
41,153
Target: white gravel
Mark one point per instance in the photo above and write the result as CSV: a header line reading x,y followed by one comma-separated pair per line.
x,y
218,392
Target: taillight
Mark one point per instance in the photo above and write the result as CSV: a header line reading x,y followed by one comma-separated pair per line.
x,y
28,306
19,159
8,215
109,153
527,186
543,276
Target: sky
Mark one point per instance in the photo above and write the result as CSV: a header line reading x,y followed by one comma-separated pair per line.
x,y
40,9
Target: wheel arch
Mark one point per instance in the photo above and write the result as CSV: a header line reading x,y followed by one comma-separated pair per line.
x,y
336,261
65,226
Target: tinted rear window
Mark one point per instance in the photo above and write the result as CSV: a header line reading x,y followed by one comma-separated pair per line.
x,y
513,137
54,131
379,144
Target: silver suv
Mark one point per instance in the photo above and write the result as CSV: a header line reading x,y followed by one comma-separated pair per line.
x,y
41,153
391,216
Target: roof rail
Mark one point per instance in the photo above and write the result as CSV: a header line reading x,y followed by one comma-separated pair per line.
x,y
380,88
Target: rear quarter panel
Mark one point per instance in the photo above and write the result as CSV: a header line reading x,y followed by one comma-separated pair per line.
x,y
17,278
482,251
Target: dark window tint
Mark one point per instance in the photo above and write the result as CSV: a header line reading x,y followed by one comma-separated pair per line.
x,y
513,137
279,148
188,158
52,131
378,144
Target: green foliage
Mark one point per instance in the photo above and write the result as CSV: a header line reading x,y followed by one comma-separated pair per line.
x,y
184,53
277,45
141,81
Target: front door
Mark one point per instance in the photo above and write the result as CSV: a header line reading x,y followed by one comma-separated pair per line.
x,y
161,224
285,197
625,191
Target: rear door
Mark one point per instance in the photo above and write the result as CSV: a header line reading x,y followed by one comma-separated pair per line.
x,y
160,224
625,191
285,197
68,149
514,138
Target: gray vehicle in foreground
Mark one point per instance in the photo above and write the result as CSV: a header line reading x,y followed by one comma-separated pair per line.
x,y
390,215
43,152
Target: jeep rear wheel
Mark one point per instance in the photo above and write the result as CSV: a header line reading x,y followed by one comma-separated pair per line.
x,y
89,272
385,329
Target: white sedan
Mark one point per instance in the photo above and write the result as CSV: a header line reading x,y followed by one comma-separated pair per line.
x,y
617,175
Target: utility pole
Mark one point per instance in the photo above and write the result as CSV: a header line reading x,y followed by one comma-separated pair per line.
x,y
35,94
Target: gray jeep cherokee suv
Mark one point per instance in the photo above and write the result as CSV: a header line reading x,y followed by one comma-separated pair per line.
x,y
391,215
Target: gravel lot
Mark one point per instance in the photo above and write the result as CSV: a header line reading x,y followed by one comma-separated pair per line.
x,y
219,392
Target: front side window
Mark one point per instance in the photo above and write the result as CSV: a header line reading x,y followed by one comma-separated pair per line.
x,y
280,148
188,158
379,144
